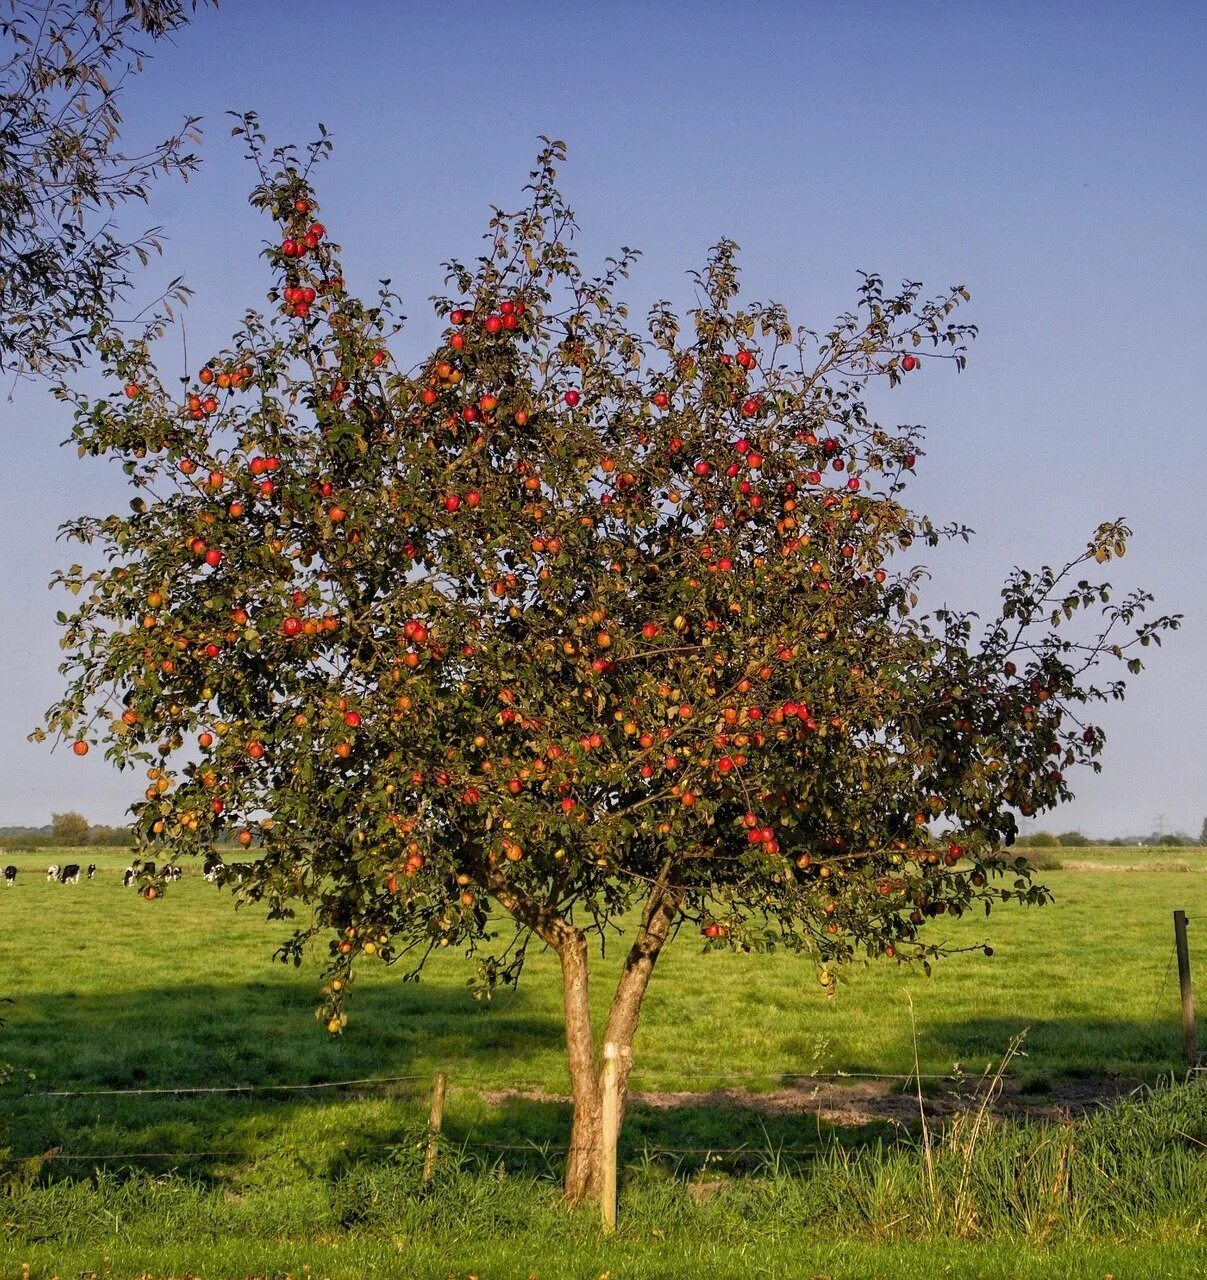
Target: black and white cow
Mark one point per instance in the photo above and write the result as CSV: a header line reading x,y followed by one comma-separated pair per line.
x,y
52,871
128,877
92,871
215,873
70,874
10,876
172,873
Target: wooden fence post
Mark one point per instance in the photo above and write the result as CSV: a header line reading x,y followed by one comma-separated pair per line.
x,y
608,1138
1189,1029
435,1119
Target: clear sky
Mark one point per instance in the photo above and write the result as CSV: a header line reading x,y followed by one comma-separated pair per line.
x,y
1052,158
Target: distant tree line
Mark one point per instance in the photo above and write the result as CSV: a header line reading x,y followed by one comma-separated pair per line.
x,y
1077,840
70,831
67,831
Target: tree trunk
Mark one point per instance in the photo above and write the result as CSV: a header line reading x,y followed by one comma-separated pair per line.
x,y
583,1162
584,1165
657,919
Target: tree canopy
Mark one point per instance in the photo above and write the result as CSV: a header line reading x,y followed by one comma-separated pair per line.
x,y
69,829
65,263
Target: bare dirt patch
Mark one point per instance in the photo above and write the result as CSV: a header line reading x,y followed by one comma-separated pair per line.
x,y
866,1102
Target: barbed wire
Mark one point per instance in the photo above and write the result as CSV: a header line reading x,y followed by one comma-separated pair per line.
x,y
1161,988
670,1084
229,1088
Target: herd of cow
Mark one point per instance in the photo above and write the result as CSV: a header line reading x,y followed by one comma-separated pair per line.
x,y
70,873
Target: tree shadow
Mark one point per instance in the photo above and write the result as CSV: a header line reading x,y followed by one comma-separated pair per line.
x,y
218,1036
505,1068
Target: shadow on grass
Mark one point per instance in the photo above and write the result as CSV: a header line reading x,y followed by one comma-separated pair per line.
x,y
504,1064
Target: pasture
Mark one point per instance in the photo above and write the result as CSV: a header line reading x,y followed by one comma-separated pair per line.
x,y
747,1081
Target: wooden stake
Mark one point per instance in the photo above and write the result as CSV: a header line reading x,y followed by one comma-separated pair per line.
x,y
435,1118
608,1137
1189,1029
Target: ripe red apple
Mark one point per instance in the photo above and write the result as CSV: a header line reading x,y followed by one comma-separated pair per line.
x,y
572,398
909,363
213,557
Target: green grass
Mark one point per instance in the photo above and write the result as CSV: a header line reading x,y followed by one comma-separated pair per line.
x,y
1121,1193
113,992
1132,857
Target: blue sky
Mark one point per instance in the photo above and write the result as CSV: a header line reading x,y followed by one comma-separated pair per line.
x,y
1051,158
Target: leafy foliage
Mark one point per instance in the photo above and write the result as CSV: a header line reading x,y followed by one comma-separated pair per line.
x,y
567,617
69,830
64,263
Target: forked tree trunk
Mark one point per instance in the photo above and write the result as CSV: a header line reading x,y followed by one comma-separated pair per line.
x,y
584,1163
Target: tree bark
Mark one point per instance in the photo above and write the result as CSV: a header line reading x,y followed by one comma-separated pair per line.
x,y
583,1165
657,920
584,1159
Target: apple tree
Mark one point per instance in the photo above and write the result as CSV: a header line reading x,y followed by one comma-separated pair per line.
x,y
571,626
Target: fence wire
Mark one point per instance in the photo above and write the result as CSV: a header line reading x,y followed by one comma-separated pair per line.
x,y
658,1084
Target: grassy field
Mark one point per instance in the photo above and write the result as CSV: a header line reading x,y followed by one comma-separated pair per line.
x,y
113,992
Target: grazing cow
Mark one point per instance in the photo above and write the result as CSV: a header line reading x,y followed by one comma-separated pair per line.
x,y
148,868
128,877
91,870
52,871
215,873
172,873
10,876
70,874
